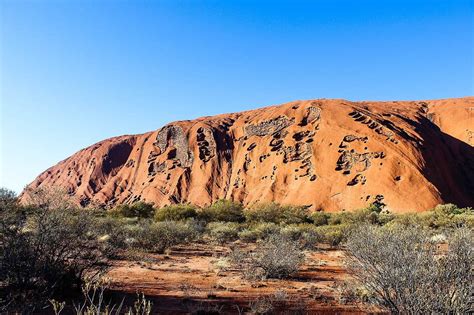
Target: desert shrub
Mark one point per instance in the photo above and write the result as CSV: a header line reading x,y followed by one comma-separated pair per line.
x,y
266,230
198,226
224,211
47,253
339,218
276,257
368,215
48,197
441,217
293,232
136,210
359,216
456,270
276,213
260,230
248,235
434,220
333,235
452,209
308,235
8,200
446,216
405,219
114,233
406,273
223,232
158,236
385,217
319,218
175,213
464,220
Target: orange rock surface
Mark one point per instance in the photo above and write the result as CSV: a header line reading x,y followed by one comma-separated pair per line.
x,y
330,154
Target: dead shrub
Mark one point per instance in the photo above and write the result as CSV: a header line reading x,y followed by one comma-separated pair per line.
x,y
404,272
276,257
158,236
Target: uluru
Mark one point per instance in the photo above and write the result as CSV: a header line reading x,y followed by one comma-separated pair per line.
x,y
328,154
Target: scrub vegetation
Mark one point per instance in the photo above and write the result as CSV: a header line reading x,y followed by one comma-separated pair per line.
x,y
53,255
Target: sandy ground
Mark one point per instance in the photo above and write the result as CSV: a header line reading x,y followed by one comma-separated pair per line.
x,y
187,279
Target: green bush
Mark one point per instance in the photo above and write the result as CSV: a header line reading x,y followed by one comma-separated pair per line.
x,y
136,210
223,232
223,211
259,231
320,218
405,219
265,230
249,235
385,218
276,213
446,216
113,232
293,232
452,209
306,234
175,213
464,219
367,215
158,236
333,235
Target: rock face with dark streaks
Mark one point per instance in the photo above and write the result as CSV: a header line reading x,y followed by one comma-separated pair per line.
x,y
330,154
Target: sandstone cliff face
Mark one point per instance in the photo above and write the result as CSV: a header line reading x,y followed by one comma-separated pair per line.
x,y
330,154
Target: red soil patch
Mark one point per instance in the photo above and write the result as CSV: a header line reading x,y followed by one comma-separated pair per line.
x,y
187,278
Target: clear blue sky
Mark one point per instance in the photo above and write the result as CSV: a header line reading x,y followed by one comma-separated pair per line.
x,y
76,72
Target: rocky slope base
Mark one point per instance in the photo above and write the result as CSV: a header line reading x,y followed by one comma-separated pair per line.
x,y
330,154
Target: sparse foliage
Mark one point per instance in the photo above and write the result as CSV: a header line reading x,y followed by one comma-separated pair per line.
x,y
407,273
276,257
94,302
158,236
